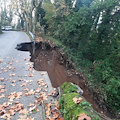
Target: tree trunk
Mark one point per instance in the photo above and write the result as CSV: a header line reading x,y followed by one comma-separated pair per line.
x,y
25,27
28,28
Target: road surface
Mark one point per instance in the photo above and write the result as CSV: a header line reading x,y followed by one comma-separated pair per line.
x,y
20,85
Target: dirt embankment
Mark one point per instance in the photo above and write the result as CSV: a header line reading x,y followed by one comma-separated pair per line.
x,y
59,68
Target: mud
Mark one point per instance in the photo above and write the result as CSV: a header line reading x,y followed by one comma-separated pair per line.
x,y
60,69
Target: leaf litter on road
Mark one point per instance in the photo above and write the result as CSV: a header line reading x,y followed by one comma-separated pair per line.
x,y
13,106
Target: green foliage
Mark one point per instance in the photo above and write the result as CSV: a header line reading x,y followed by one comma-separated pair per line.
x,y
91,34
68,88
108,76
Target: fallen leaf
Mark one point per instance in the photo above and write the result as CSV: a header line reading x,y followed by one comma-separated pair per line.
x,y
13,85
5,70
31,104
12,74
2,96
2,86
11,63
83,116
3,90
13,81
57,105
17,107
1,107
59,118
2,68
19,94
2,78
11,112
23,111
2,112
30,75
77,100
44,95
56,114
39,100
22,117
24,84
48,112
6,116
43,73
27,89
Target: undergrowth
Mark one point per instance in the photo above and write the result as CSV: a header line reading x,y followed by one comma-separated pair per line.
x,y
102,76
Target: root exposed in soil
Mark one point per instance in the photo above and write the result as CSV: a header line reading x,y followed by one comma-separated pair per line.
x,y
60,69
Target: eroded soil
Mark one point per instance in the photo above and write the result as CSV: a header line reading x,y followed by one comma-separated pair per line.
x,y
60,70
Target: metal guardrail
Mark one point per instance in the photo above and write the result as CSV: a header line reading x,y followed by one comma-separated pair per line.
x,y
34,38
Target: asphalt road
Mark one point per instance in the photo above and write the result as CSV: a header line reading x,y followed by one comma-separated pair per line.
x,y
17,74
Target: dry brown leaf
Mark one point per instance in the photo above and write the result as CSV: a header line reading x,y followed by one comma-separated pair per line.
x,y
83,116
59,118
2,68
23,111
12,74
24,84
77,100
11,63
13,68
17,107
39,100
2,96
2,86
53,92
6,116
43,73
22,117
57,105
13,85
19,94
31,104
30,118
11,112
30,75
44,95
27,89
13,81
3,90
48,112
5,70
2,112
2,78
50,118
1,107
56,114
38,90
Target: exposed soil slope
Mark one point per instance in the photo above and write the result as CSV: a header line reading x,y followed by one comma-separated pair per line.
x,y
59,68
